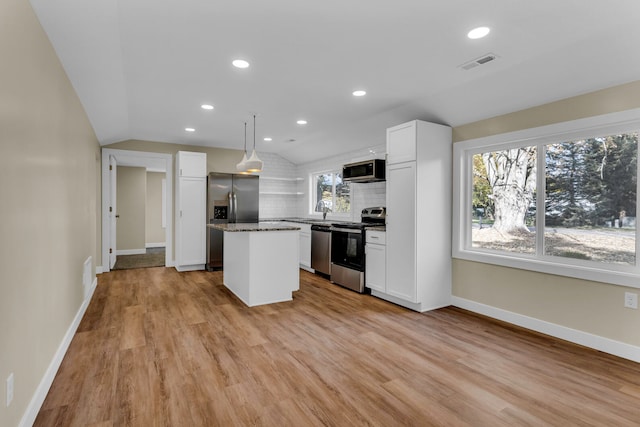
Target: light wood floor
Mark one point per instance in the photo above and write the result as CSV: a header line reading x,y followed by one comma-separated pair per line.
x,y
161,348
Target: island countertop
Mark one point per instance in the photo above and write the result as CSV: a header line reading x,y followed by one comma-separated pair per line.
x,y
247,227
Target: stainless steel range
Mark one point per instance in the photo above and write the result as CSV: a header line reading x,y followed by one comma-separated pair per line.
x,y
347,248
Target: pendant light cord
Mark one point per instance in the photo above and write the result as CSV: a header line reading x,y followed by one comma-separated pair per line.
x,y
245,138
254,132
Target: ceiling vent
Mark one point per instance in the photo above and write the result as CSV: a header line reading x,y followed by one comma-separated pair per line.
x,y
479,61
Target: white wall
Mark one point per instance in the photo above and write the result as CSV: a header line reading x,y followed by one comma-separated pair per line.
x,y
278,197
362,195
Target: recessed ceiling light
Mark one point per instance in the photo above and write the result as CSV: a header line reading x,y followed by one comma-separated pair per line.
x,y
359,93
268,139
189,129
301,122
478,33
207,107
240,63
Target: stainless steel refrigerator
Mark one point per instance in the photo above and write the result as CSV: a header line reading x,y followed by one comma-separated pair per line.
x,y
230,199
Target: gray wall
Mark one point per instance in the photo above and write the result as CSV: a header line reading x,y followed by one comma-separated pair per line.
x,y
131,194
48,182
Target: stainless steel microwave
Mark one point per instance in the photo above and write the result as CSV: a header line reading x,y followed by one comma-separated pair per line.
x,y
367,171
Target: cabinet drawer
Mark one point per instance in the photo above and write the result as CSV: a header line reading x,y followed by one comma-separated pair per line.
x,y
373,236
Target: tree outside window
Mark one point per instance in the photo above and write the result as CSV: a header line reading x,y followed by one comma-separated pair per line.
x,y
330,193
589,199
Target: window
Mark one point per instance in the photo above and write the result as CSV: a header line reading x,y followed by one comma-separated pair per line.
x,y
504,194
330,193
559,199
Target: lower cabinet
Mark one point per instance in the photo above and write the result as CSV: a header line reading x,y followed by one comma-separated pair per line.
x,y
304,246
375,274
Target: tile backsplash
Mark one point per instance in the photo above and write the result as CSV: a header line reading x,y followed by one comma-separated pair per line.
x,y
279,187
284,187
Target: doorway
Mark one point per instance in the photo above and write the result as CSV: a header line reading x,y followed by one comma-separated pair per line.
x,y
152,162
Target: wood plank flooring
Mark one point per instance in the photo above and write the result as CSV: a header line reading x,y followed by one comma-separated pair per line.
x,y
162,348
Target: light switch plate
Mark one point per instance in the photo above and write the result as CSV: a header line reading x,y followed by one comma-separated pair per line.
x,y
631,300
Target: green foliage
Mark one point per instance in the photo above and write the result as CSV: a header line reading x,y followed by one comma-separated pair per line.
x,y
482,201
591,181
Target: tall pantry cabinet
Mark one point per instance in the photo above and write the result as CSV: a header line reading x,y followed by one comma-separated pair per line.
x,y
418,233
191,210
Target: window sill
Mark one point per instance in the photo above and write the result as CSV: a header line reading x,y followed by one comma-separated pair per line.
x,y
550,266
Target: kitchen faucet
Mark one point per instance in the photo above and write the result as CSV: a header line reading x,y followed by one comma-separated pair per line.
x,y
322,207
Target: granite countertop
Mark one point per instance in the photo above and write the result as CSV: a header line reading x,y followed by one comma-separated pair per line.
x,y
314,221
244,227
311,221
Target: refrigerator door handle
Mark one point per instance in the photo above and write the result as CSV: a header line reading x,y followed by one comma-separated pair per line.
x,y
231,217
235,207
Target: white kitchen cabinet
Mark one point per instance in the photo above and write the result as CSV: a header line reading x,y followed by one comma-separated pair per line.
x,y
401,227
375,261
191,207
191,164
401,143
418,236
304,248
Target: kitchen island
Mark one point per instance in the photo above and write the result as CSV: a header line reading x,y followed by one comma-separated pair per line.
x,y
260,261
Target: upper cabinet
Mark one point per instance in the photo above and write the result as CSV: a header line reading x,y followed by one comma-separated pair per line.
x,y
401,143
192,164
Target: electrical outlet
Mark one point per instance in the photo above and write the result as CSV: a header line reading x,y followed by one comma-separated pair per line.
x,y
9,389
631,300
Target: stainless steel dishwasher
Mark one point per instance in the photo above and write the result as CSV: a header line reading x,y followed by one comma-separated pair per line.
x,y
321,248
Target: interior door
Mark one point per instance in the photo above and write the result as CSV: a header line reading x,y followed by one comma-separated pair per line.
x,y
112,211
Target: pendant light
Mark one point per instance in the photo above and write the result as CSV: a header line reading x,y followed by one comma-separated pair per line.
x,y
242,166
254,164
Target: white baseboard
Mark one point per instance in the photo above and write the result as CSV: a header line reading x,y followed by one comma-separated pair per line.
x,y
194,267
398,301
155,245
606,345
131,252
37,400
99,269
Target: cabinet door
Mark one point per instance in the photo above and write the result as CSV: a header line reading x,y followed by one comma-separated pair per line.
x,y
191,164
375,271
401,231
192,221
305,249
401,143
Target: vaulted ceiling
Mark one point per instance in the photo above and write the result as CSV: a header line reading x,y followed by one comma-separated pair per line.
x,y
143,68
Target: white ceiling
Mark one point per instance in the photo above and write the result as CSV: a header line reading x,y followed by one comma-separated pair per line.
x,y
142,68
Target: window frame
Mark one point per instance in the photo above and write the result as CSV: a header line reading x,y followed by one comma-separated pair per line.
x,y
620,122
312,192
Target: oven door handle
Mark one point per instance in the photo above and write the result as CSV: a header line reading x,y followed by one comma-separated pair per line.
x,y
347,230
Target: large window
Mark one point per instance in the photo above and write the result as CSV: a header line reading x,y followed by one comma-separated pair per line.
x,y
330,193
560,199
